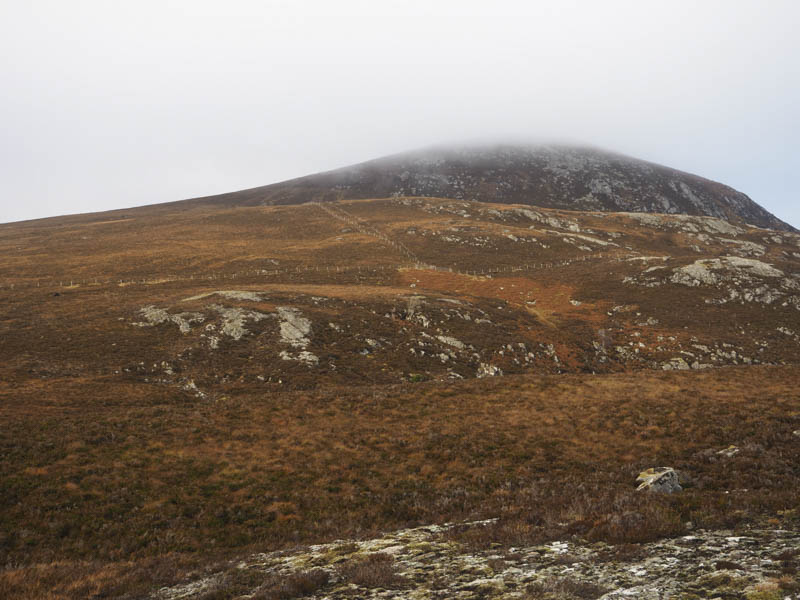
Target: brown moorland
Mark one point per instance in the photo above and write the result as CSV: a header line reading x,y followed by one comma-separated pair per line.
x,y
179,387
99,487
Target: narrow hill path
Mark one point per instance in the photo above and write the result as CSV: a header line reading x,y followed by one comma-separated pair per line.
x,y
337,212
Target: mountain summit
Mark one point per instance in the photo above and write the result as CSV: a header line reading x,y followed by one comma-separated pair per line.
x,y
551,176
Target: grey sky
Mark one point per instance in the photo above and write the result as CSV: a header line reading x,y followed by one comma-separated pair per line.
x,y
113,104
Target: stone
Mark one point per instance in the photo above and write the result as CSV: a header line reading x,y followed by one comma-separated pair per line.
x,y
233,320
295,328
487,370
665,480
230,294
156,316
675,364
729,452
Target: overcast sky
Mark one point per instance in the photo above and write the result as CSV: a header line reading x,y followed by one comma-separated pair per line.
x,y
114,104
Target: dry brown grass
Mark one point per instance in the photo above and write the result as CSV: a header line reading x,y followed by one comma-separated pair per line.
x,y
91,481
372,571
68,579
296,585
563,589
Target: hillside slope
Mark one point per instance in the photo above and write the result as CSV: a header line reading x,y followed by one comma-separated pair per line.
x,y
384,291
562,177
182,385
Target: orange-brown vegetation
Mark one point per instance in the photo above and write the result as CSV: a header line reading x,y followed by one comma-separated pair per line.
x,y
133,454
122,480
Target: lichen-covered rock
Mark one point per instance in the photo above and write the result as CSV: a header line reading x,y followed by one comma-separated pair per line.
x,y
156,316
295,331
665,480
295,328
487,370
712,271
229,294
426,562
729,452
676,364
742,280
233,320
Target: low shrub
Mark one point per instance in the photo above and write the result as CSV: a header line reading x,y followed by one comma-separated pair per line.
x,y
373,571
296,585
558,588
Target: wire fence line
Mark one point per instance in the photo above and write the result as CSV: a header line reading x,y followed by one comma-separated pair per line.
x,y
259,274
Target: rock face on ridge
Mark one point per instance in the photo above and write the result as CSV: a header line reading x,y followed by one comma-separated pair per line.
x,y
551,176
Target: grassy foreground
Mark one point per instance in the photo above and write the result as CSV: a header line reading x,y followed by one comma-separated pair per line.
x,y
112,490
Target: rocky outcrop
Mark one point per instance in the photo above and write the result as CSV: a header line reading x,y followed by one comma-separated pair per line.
x,y
156,316
665,480
426,563
741,280
294,330
729,452
234,318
